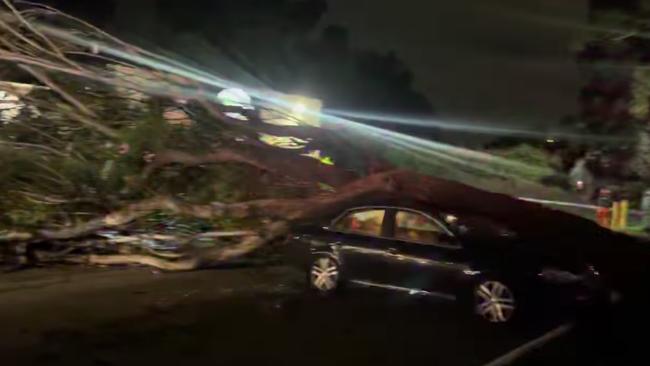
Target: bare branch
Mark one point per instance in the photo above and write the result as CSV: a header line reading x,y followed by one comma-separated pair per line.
x,y
54,48
219,156
84,23
15,236
47,81
201,258
187,264
68,97
34,146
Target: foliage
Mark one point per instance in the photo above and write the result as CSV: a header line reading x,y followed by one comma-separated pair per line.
x,y
529,155
88,141
614,100
640,108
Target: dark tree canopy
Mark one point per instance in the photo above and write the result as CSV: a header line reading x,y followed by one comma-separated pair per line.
x,y
97,12
275,41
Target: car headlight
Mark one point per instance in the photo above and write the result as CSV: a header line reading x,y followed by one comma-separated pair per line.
x,y
559,276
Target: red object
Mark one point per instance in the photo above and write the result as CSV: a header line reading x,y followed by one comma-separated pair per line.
x,y
355,224
603,216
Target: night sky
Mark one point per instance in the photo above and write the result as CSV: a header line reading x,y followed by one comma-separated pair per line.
x,y
489,61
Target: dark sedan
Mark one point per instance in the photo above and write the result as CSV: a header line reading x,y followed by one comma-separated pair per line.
x,y
451,256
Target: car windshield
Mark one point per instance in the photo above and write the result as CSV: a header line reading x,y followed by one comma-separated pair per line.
x,y
417,227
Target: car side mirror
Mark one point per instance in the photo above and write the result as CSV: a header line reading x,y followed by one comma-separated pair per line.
x,y
462,229
446,238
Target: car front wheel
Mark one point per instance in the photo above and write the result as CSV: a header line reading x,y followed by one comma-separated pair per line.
x,y
324,275
494,301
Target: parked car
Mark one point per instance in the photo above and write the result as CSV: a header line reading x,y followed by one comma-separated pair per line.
x,y
419,250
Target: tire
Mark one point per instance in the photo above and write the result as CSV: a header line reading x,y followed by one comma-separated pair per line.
x,y
324,275
494,301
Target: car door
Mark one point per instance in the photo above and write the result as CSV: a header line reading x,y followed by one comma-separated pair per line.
x,y
424,254
362,246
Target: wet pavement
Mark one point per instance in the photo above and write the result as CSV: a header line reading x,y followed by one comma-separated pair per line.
x,y
89,316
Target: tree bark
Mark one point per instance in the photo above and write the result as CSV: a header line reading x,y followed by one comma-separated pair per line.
x,y
271,160
220,156
202,258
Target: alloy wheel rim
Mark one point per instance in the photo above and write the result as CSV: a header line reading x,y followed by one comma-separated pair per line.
x,y
324,274
495,302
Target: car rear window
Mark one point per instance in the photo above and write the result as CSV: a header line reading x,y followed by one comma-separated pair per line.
x,y
367,222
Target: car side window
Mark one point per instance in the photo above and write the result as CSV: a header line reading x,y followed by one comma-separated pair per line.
x,y
367,222
416,227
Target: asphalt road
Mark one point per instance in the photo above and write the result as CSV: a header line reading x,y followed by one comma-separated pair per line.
x,y
614,337
89,316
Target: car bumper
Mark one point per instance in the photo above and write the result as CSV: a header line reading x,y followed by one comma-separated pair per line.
x,y
590,290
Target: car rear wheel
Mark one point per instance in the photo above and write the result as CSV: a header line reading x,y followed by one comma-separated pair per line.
x,y
324,275
494,301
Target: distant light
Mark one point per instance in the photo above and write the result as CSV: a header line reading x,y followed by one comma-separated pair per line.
x,y
177,116
235,97
236,115
295,110
316,154
10,106
550,141
299,109
284,142
451,219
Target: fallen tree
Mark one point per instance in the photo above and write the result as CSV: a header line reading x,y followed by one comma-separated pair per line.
x,y
93,147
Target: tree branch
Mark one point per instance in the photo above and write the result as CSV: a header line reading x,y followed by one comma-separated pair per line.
x,y
219,156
